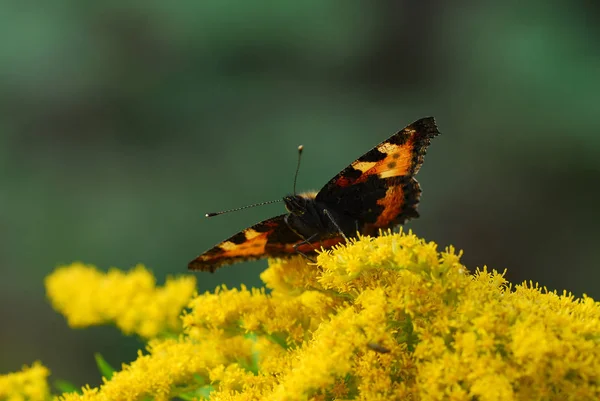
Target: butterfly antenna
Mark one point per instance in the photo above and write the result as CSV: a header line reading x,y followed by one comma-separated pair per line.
x,y
300,149
241,208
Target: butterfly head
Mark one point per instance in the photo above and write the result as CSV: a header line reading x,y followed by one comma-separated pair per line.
x,y
296,204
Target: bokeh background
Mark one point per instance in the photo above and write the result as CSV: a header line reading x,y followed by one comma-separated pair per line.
x,y
123,122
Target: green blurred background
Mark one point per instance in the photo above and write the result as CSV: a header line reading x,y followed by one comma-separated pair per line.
x,y
123,122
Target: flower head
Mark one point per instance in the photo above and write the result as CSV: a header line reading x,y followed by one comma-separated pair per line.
x,y
132,301
384,318
28,384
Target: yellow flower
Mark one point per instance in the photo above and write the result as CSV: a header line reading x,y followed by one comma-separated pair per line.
x,y
385,318
170,368
28,384
87,296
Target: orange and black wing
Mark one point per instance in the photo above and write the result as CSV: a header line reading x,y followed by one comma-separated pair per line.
x,y
379,189
269,238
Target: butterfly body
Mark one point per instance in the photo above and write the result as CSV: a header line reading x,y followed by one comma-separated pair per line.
x,y
377,191
309,218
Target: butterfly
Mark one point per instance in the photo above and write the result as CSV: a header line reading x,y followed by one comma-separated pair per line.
x,y
377,191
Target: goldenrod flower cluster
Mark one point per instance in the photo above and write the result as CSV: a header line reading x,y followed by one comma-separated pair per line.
x,y
87,297
28,384
385,318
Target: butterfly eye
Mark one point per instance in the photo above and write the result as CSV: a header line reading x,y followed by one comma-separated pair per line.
x,y
295,205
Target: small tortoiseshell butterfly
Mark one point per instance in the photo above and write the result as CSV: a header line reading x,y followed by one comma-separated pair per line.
x,y
377,191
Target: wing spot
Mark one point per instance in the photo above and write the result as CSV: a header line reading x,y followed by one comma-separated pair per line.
x,y
395,155
364,166
388,148
391,165
228,246
251,233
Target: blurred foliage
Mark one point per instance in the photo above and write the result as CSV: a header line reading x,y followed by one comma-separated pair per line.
x,y
124,122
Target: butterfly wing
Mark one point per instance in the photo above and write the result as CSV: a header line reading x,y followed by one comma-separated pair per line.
x,y
269,238
379,190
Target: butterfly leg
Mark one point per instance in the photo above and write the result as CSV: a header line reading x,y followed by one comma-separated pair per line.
x,y
326,213
305,241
